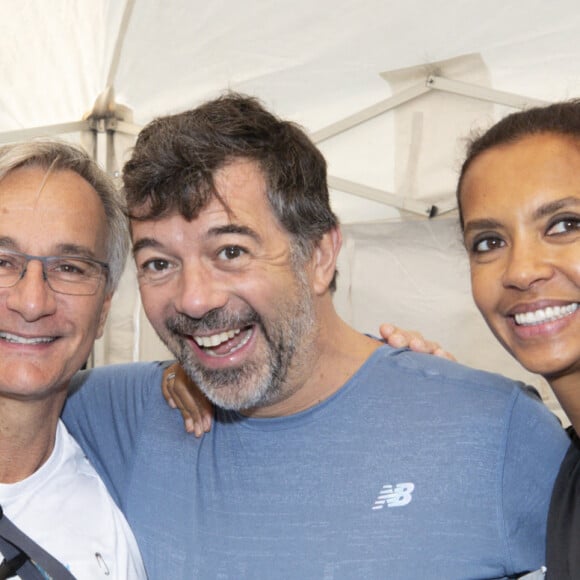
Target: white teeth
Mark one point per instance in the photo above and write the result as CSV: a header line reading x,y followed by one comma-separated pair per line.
x,y
545,314
21,340
215,339
237,347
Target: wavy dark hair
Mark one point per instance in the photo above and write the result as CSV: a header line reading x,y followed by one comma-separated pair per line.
x,y
175,159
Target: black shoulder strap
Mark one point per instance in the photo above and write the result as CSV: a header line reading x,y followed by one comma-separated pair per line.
x,y
18,550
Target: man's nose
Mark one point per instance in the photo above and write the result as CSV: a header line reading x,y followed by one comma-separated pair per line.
x,y
31,296
199,291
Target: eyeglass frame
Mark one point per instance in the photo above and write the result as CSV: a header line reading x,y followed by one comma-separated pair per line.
x,y
45,260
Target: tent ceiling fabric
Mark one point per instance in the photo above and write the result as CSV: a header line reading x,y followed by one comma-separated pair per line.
x,y
315,63
312,61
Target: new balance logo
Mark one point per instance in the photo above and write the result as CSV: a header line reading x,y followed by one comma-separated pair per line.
x,y
394,496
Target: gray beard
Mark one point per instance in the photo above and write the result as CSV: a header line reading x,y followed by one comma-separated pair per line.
x,y
217,384
256,383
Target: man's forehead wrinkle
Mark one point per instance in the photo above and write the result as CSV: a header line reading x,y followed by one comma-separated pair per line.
x,y
68,249
64,249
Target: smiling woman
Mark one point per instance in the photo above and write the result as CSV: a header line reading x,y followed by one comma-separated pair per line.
x,y
519,201
521,208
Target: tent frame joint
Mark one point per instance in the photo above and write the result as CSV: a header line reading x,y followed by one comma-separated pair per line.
x,y
430,83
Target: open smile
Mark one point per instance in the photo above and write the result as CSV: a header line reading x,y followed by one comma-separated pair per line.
x,y
543,315
224,343
31,340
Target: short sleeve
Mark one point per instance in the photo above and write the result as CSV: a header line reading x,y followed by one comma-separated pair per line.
x,y
535,446
104,414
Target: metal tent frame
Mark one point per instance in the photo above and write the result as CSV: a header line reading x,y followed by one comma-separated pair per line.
x,y
108,118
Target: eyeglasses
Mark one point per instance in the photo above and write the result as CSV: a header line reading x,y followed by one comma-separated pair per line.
x,y
71,275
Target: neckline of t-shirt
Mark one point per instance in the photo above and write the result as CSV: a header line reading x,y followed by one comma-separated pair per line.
x,y
11,491
312,413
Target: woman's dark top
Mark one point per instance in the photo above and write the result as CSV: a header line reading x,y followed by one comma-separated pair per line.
x,y
563,543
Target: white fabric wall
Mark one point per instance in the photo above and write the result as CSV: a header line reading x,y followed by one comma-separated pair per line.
x,y
415,274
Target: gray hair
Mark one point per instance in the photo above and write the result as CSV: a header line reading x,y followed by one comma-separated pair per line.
x,y
60,156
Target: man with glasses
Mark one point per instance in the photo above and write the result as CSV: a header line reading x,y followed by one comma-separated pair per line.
x,y
63,245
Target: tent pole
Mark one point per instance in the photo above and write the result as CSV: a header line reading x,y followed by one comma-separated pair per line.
x,y
482,93
127,13
370,112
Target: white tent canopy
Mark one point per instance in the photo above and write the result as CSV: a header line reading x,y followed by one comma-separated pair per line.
x,y
388,89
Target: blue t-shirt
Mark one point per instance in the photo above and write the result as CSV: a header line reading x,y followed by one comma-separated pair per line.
x,y
416,468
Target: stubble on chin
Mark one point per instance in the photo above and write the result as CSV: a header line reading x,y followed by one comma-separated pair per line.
x,y
262,380
255,383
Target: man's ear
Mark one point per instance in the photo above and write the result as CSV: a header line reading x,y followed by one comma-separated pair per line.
x,y
324,260
104,313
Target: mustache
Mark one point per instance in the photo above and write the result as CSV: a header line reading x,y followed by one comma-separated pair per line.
x,y
218,319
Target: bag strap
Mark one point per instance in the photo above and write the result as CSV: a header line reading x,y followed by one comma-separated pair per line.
x,y
17,562
21,553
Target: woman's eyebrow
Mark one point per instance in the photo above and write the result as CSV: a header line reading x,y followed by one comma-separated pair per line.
x,y
554,206
481,224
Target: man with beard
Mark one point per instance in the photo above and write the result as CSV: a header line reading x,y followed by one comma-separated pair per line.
x,y
331,455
